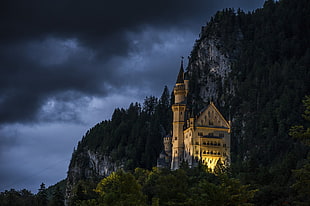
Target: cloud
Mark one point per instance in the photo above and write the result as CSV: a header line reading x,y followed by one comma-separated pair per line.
x,y
51,48
60,71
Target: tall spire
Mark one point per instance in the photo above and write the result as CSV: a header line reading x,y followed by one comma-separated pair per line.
x,y
180,78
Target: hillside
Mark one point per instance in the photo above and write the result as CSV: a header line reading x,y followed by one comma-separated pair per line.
x,y
255,67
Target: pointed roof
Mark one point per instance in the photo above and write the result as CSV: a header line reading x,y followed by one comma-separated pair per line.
x,y
217,111
180,78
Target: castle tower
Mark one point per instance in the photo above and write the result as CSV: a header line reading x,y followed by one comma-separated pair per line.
x,y
178,108
167,145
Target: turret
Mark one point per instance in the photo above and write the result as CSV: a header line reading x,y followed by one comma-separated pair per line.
x,y
178,108
168,145
179,88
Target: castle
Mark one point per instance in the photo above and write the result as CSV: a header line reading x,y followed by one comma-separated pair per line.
x,y
203,138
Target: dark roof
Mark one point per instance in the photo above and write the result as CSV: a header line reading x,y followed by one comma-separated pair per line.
x,y
180,78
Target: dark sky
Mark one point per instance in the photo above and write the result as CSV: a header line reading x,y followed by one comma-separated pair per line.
x,y
65,65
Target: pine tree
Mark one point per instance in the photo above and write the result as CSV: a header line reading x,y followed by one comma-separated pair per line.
x,y
57,198
42,196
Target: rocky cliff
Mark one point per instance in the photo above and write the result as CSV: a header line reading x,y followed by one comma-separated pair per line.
x,y
212,59
88,165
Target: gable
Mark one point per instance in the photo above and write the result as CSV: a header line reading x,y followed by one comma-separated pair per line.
x,y
211,117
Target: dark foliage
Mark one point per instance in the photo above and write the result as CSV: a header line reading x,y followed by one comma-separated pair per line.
x,y
186,186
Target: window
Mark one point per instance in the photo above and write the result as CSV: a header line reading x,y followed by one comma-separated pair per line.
x,y
221,134
210,122
175,138
211,134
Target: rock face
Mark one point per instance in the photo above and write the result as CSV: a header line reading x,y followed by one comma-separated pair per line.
x,y
88,165
210,65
